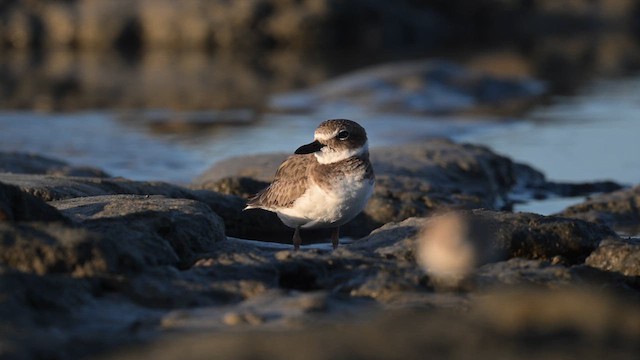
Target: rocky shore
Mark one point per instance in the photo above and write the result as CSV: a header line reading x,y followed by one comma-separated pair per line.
x,y
96,266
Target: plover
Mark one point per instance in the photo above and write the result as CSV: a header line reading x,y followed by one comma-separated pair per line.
x,y
325,184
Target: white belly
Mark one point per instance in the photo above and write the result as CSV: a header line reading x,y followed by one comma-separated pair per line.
x,y
318,208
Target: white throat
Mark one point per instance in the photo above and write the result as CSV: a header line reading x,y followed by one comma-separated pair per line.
x,y
329,156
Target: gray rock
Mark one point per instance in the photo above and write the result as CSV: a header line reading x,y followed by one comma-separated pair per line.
x,y
16,205
50,188
619,255
619,209
148,230
23,163
256,225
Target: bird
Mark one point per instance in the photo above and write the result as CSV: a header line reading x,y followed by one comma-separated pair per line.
x,y
324,184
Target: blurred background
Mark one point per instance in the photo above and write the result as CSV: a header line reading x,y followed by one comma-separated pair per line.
x,y
161,89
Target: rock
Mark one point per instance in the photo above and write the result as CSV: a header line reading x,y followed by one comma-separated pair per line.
x,y
254,224
23,163
243,187
502,324
50,188
237,283
435,87
523,235
16,205
55,248
258,225
619,209
619,255
66,317
258,167
148,230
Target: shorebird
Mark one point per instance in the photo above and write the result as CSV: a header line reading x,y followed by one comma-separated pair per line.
x,y
325,184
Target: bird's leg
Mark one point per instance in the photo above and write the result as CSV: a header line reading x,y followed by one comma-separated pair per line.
x,y
296,239
335,237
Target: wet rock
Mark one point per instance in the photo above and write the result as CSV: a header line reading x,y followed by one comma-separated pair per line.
x,y
148,230
620,209
23,163
619,255
436,87
16,205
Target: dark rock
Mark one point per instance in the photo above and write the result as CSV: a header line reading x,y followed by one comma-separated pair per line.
x,y
50,188
619,255
438,87
257,285
581,189
16,205
502,324
65,317
257,224
619,209
254,224
55,248
22,163
148,230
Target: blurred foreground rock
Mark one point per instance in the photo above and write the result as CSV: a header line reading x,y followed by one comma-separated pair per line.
x,y
525,324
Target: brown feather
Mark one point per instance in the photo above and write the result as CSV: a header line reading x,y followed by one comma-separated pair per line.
x,y
289,183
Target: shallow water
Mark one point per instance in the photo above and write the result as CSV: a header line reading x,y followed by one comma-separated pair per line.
x,y
590,136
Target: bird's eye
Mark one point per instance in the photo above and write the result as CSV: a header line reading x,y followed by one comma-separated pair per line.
x,y
343,135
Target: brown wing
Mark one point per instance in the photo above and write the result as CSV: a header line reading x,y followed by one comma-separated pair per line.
x,y
289,183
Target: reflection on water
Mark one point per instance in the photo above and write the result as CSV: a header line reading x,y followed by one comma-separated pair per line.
x,y
590,136
191,80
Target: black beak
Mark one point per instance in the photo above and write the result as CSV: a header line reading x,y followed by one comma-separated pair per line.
x,y
310,148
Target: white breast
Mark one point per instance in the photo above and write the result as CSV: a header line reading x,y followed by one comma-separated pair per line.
x,y
318,208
